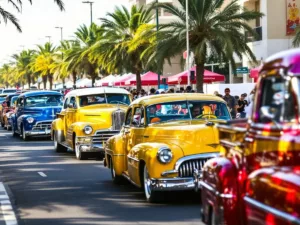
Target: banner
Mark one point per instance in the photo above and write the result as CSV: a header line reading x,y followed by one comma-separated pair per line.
x,y
293,14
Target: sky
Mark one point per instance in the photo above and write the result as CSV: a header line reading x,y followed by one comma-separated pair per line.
x,y
40,19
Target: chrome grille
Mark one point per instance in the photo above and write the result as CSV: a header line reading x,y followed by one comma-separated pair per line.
x,y
118,118
103,136
42,125
187,168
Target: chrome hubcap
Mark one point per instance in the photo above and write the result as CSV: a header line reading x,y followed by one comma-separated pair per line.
x,y
147,183
55,142
77,149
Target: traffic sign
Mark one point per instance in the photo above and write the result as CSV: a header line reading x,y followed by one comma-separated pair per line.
x,y
242,70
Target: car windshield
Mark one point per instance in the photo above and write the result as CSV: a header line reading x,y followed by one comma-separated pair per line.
x,y
14,99
121,99
43,100
183,110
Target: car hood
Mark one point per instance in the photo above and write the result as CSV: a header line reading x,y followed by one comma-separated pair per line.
x,y
193,137
44,112
99,114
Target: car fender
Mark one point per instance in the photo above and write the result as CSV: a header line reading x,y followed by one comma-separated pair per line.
x,y
147,153
57,129
220,190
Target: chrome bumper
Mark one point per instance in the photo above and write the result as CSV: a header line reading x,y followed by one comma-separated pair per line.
x,y
173,184
38,133
197,179
91,148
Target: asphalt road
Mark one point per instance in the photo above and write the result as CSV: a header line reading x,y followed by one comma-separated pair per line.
x,y
55,188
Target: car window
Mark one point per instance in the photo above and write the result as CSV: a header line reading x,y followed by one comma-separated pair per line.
x,y
66,103
43,100
138,117
73,102
128,117
105,98
20,102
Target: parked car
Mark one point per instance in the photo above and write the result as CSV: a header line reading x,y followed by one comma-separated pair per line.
x,y
9,90
256,179
166,137
7,107
89,117
35,112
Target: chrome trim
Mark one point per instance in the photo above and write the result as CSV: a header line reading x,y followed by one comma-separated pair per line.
x,y
198,156
208,187
172,184
128,178
226,196
37,133
134,159
268,209
166,173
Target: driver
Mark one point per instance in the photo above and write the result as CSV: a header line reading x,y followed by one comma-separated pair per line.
x,y
84,101
196,111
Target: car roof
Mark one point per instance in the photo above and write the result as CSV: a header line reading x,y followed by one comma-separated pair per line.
x,y
13,94
97,90
36,93
163,98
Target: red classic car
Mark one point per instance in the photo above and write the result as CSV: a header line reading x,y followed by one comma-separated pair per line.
x,y
256,179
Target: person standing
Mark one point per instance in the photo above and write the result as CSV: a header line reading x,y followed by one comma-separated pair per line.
x,y
242,103
231,103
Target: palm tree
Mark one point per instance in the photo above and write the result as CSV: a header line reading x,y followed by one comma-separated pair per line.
x,y
6,72
43,61
17,4
78,55
128,39
22,65
214,28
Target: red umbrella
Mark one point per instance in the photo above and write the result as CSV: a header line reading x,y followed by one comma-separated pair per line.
x,y
182,78
121,81
148,78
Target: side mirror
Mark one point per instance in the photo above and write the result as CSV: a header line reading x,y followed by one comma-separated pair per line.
x,y
268,113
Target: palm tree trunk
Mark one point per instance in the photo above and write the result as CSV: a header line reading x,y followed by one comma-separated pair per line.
x,y
50,78
74,76
45,82
138,81
93,80
28,80
199,77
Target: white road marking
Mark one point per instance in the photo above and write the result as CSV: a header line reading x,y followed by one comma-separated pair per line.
x,y
42,174
6,208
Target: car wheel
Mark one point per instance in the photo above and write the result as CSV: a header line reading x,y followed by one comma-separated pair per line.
x,y
115,178
79,155
13,132
24,137
151,195
58,147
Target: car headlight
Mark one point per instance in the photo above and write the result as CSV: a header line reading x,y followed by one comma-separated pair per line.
x,y
88,129
30,120
164,155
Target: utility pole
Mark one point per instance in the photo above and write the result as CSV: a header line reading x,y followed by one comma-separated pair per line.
x,y
157,27
61,32
187,41
91,8
49,38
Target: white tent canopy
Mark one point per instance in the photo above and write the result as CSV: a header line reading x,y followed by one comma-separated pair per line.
x,y
108,80
85,82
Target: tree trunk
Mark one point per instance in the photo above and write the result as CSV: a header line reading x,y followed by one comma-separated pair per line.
x,y
74,77
45,82
138,81
28,80
50,78
93,80
199,77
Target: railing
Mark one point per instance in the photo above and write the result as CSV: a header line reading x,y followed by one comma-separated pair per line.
x,y
258,37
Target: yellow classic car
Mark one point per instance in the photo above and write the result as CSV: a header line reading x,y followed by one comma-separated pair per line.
x,y
164,139
88,118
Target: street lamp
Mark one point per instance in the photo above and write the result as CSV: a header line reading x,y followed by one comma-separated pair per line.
x,y
49,38
187,41
61,32
91,7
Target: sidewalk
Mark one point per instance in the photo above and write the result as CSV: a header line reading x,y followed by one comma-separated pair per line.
x,y
7,215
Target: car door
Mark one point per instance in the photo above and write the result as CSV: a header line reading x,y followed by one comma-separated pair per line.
x,y
137,129
19,113
70,118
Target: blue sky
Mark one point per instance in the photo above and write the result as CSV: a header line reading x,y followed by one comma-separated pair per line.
x,y
40,19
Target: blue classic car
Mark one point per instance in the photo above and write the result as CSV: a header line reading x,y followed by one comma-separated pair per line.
x,y
35,112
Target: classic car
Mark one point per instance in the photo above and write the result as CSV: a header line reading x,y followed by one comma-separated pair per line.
x,y
6,107
7,116
164,138
255,180
89,117
35,112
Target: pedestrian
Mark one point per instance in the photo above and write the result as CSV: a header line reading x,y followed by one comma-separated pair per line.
x,y
181,90
231,103
152,91
188,89
248,109
242,103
